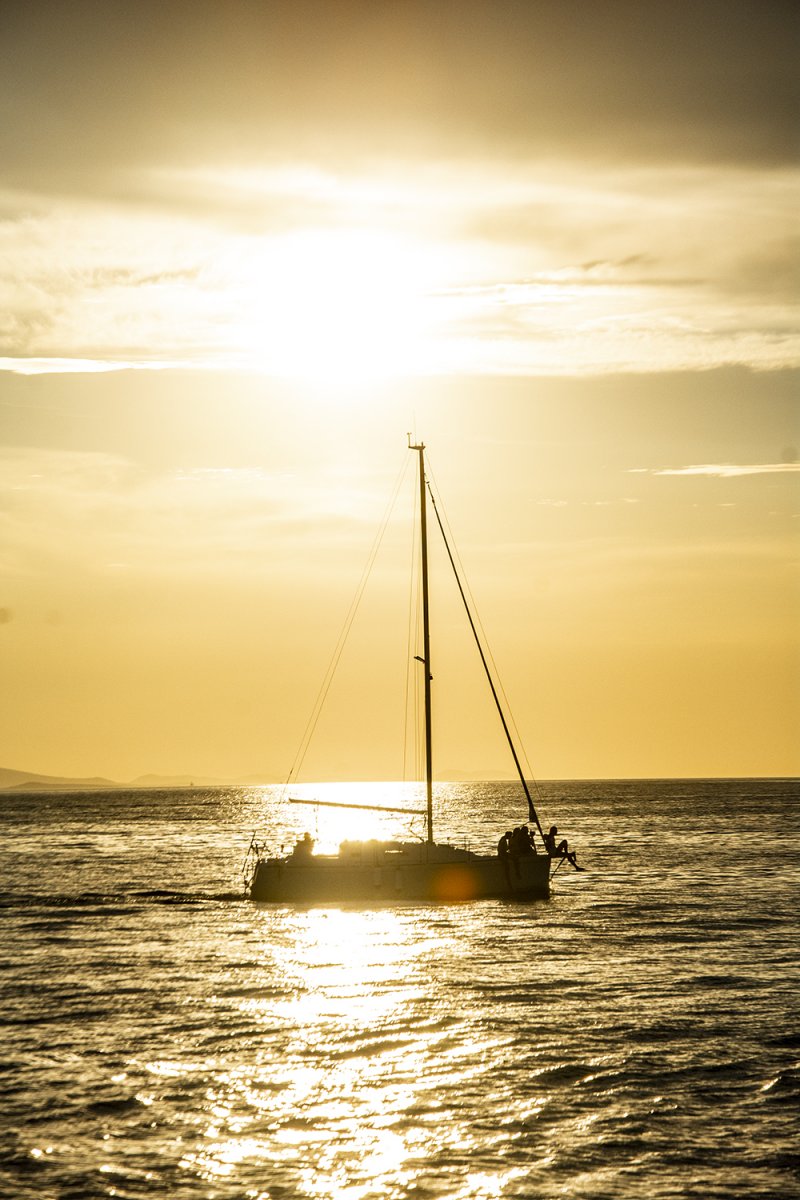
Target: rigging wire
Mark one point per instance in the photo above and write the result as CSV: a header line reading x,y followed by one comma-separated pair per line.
x,y
410,642
345,631
461,574
481,638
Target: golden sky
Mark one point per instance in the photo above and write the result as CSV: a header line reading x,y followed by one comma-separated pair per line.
x,y
245,247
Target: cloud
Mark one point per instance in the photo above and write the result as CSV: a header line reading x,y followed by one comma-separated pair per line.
x,y
89,94
547,270
22,364
726,470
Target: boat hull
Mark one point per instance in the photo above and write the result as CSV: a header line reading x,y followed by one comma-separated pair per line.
x,y
398,878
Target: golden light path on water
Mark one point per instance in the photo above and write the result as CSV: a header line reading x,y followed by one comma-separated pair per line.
x,y
350,1069
360,1068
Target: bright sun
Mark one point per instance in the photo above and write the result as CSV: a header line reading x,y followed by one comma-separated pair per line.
x,y
340,306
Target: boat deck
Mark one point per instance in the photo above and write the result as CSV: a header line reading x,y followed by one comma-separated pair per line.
x,y
398,872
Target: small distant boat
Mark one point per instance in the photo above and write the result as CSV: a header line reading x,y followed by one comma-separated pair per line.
x,y
400,871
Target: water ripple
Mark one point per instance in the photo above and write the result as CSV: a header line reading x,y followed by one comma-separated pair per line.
x,y
636,1038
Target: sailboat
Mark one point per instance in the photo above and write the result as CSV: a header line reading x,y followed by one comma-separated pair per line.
x,y
405,871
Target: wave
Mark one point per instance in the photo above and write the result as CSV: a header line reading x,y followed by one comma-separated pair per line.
x,y
121,899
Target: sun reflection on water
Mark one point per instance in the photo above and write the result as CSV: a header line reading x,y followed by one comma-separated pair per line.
x,y
338,1085
362,1069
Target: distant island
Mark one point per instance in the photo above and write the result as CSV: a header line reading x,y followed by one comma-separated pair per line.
x,y
32,781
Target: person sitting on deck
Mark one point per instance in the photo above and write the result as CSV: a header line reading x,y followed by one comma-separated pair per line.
x,y
504,845
527,844
503,853
303,847
560,850
521,842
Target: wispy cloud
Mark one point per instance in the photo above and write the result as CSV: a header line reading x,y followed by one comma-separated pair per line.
x,y
724,470
35,365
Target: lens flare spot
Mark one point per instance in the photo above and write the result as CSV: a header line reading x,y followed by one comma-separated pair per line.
x,y
455,883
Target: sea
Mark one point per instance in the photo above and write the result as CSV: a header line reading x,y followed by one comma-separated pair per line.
x,y
636,1035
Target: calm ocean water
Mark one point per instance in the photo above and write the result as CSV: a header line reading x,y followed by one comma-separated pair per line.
x,y
638,1035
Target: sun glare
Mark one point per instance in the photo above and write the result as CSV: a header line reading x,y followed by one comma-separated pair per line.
x,y
330,826
341,306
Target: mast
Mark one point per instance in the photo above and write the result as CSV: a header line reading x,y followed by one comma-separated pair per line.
x,y
426,640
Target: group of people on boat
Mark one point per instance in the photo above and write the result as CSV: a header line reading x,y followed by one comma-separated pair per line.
x,y
516,843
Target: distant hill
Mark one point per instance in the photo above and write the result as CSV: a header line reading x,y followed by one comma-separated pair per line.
x,y
17,780
30,781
